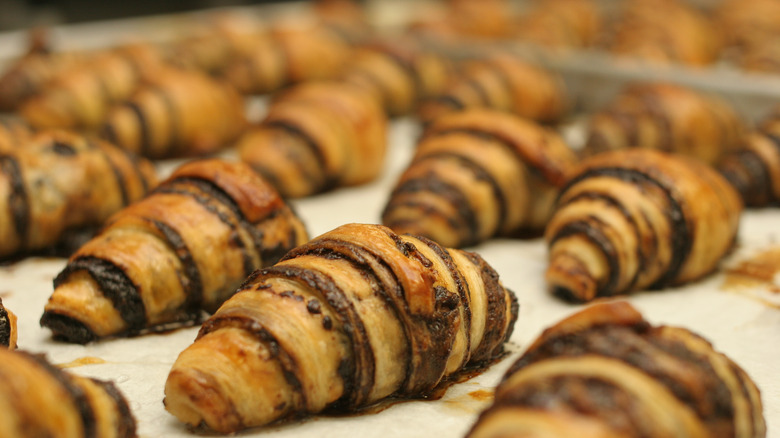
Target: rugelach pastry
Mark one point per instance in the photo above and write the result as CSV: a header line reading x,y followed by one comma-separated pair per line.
x,y
37,399
667,117
754,168
504,82
477,174
177,113
289,54
638,219
163,260
354,316
605,372
79,97
59,187
318,136
400,73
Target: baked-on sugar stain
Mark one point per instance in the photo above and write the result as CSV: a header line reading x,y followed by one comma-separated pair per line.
x,y
86,360
759,270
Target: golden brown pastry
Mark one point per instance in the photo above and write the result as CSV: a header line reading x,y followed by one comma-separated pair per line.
x,y
80,96
400,73
504,82
754,168
464,20
748,22
354,316
8,333
348,18
37,399
25,76
290,54
638,219
606,372
13,132
560,24
477,174
665,31
184,248
177,114
60,185
210,46
318,136
668,117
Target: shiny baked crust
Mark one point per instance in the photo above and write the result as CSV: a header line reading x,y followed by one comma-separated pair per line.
x,y
354,316
607,371
163,260
638,219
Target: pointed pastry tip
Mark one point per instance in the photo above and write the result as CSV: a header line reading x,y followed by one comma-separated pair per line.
x,y
569,278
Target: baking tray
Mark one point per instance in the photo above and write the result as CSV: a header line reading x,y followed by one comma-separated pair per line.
x,y
743,322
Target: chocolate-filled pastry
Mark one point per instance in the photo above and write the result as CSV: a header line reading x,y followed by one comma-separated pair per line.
x,y
183,249
37,399
668,117
665,32
8,333
746,23
316,137
606,372
400,73
503,82
59,186
14,131
354,316
177,113
79,97
25,76
638,219
348,18
464,20
290,54
560,24
210,46
477,174
754,168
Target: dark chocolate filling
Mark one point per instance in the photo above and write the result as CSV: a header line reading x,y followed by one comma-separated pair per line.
x,y
429,183
193,285
114,284
680,239
590,227
311,143
143,126
5,327
357,374
18,199
481,174
125,426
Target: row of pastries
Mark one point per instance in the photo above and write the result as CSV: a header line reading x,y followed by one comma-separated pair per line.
x,y
293,325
